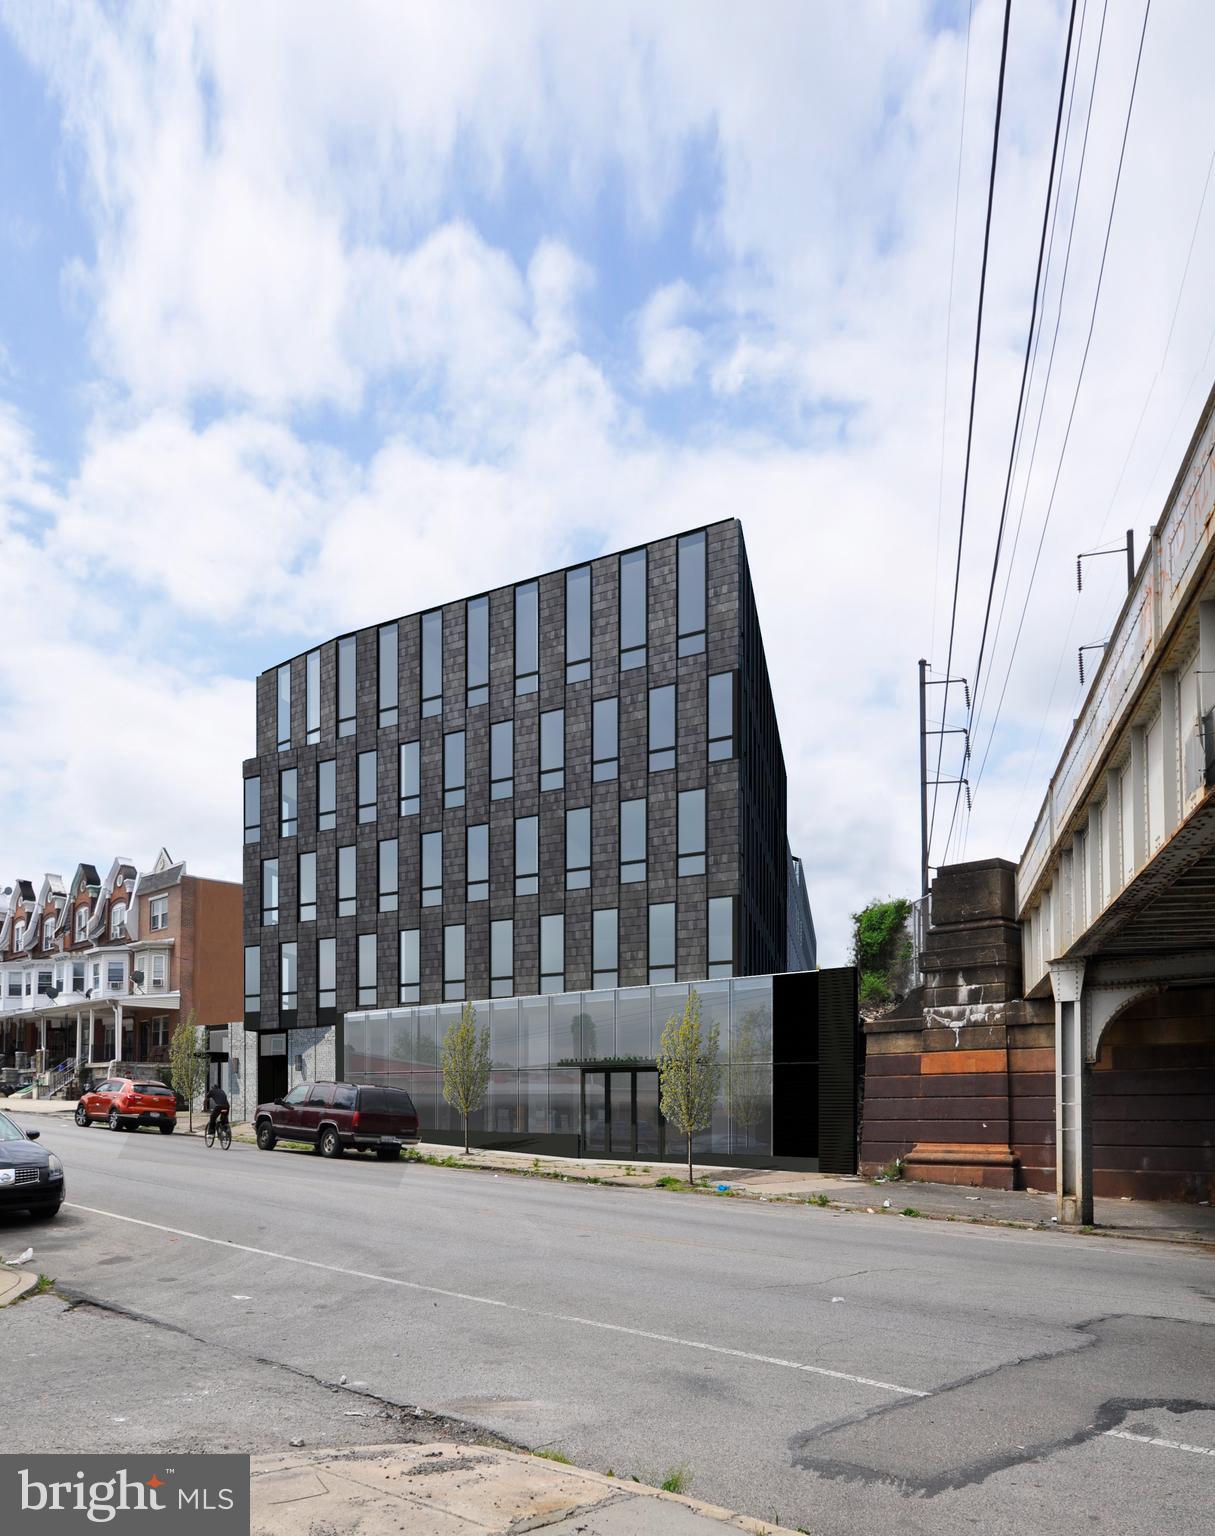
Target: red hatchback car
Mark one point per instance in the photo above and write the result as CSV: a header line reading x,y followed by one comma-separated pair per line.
x,y
334,1116
125,1103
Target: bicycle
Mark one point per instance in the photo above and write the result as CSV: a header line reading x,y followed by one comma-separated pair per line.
x,y
223,1132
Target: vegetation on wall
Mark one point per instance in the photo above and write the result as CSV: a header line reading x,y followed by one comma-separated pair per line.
x,y
881,949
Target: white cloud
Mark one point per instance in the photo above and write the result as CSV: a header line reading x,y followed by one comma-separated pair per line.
x,y
670,351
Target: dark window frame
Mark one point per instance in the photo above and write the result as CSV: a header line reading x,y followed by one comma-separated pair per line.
x,y
432,853
409,777
578,875
254,792
502,786
367,808
527,881
307,907
270,910
347,685
326,814
478,858
388,699
431,668
409,947
527,678
605,976
662,972
633,870
690,838
662,757
579,607
552,754
478,686
722,735
632,654
690,636
455,768
388,889
605,755
347,904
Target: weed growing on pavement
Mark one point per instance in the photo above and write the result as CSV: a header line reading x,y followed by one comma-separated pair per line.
x,y
677,1480
816,1200
535,1165
910,1210
669,1181
554,1456
890,1172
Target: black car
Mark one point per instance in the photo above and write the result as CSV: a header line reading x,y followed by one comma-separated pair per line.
x,y
31,1177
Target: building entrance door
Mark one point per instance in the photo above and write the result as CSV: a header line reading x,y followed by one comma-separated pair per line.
x,y
620,1115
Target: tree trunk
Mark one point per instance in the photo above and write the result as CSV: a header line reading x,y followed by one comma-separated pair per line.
x,y
689,1157
466,1133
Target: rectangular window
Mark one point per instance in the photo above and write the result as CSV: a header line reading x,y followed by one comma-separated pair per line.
x,y
605,740
662,942
388,674
347,703
312,697
578,624
476,650
326,795
284,707
367,970
527,637
691,832
289,973
662,728
48,933
502,760
453,963
77,977
346,881
527,855
604,948
269,891
477,865
552,953
253,809
432,869
432,662
253,978
367,786
411,975
691,594
411,778
453,768
82,913
501,957
388,875
307,885
289,801
632,609
552,749
721,935
578,849
632,841
158,913
326,973
721,716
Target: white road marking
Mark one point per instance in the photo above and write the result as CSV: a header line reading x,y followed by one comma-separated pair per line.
x,y
1158,1440
510,1306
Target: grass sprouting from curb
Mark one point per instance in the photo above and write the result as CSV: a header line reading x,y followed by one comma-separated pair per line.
x,y
554,1456
677,1480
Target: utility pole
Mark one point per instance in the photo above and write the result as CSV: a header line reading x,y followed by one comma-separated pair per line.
x,y
923,782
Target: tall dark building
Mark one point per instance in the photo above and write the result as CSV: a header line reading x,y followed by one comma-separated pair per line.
x,y
575,782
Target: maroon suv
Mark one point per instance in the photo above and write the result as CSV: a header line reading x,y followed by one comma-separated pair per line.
x,y
334,1116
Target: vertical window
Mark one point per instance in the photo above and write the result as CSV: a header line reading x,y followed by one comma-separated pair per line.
x,y
691,594
326,795
432,869
284,707
158,913
388,875
288,798
604,948
501,957
326,973
527,855
692,832
367,786
605,740
411,778
269,891
552,953
502,760
632,610
367,970
312,697
662,942
552,749
253,978
289,973
453,963
578,849
477,865
453,768
721,716
578,624
346,876
388,674
662,728
632,841
432,662
527,637
253,809
476,650
307,886
346,686
721,935
411,975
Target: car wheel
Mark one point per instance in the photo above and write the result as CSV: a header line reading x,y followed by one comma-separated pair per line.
x,y
112,1120
331,1145
266,1138
166,1128
388,1154
45,1212
81,1117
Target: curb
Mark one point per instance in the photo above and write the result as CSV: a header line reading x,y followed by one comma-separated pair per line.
x,y
14,1284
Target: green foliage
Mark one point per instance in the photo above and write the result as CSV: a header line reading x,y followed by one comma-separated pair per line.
x,y
875,989
689,1072
187,1067
466,1065
668,1181
553,1456
880,946
910,1210
677,1480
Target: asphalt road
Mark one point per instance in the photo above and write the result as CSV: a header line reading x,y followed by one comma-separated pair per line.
x,y
835,1371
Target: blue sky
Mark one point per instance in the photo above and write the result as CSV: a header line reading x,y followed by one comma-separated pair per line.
x,y
497,288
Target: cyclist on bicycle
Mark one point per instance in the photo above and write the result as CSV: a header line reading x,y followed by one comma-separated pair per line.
x,y
217,1101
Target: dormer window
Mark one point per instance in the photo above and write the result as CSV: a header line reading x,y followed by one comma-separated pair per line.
x,y
158,913
48,933
118,916
19,936
82,921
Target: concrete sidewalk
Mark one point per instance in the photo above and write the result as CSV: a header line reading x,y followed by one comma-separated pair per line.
x,y
445,1489
12,1106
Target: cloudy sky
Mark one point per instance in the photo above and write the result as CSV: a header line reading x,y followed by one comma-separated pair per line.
x,y
499,287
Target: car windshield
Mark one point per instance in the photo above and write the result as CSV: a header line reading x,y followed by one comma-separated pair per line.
x,y
9,1130
152,1088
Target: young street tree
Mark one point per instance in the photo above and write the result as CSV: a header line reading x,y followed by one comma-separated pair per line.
x,y
689,1072
466,1065
187,1068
